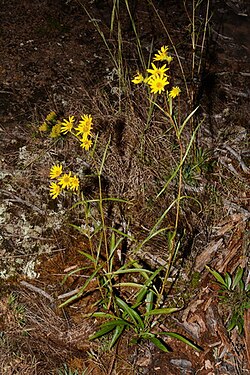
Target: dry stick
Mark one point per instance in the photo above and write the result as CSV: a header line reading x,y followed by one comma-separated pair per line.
x,y
38,290
15,198
207,19
69,294
46,295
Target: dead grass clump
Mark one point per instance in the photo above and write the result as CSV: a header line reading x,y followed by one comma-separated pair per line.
x,y
35,339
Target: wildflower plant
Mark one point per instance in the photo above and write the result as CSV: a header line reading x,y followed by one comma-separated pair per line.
x,y
139,314
157,79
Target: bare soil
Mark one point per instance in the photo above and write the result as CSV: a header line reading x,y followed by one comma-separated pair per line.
x,y
53,58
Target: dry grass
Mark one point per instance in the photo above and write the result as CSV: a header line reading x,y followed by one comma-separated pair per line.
x,y
38,340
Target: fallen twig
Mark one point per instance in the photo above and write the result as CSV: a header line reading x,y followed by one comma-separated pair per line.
x,y
37,290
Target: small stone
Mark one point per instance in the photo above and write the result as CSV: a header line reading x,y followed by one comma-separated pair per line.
x,y
181,363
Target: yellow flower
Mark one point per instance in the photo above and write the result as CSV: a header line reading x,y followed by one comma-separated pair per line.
x,y
67,125
74,183
138,79
56,130
54,190
157,84
43,127
158,71
86,143
162,54
65,180
85,125
174,92
51,116
55,171
169,59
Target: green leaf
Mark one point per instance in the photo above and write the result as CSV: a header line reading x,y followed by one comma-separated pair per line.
x,y
232,323
81,291
218,277
88,256
149,301
129,270
129,284
100,314
112,243
246,305
247,287
185,155
159,344
241,285
72,273
161,311
105,329
237,277
137,266
116,322
181,338
117,333
130,312
143,291
228,280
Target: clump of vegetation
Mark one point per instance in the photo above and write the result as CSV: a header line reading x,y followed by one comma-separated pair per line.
x,y
234,294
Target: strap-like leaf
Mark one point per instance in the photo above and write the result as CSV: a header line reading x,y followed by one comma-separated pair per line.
x,y
218,277
228,280
130,312
164,310
181,338
103,331
159,344
117,333
237,277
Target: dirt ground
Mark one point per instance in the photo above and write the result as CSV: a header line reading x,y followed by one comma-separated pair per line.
x,y
53,58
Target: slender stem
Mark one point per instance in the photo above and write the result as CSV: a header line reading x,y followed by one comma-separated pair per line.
x,y
204,36
173,239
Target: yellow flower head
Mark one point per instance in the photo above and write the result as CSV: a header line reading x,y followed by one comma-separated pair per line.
x,y
162,54
67,125
51,116
55,171
158,71
138,78
169,59
56,130
86,143
85,125
43,127
174,92
74,183
65,181
158,84
54,190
